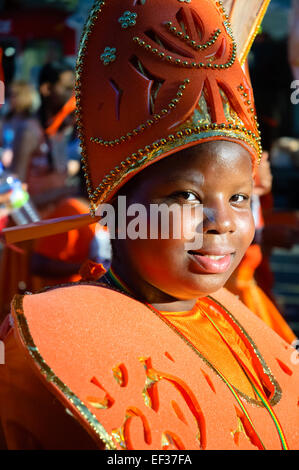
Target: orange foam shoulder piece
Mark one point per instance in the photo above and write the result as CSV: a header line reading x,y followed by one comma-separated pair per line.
x,y
134,383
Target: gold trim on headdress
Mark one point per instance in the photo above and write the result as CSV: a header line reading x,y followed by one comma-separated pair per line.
x,y
196,128
245,24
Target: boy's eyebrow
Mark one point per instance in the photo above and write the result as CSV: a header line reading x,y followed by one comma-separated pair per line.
x,y
194,178
199,179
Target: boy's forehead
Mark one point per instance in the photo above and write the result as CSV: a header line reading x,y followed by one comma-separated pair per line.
x,y
193,164
211,153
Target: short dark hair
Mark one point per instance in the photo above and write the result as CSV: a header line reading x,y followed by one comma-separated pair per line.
x,y
51,72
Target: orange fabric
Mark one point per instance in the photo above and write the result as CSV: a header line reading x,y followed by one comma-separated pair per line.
x,y
257,301
47,228
243,284
282,218
69,247
103,368
264,275
54,428
73,245
198,329
66,110
91,271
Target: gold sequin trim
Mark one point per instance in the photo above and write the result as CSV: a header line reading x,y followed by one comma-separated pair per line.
x,y
87,30
184,37
50,376
185,63
151,152
277,389
150,122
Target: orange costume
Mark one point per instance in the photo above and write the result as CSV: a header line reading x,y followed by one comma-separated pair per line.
x,y
89,366
128,389
243,284
70,247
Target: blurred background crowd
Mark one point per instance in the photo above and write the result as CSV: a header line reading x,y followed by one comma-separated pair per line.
x,y
40,169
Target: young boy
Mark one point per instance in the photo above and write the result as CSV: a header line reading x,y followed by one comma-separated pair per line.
x,y
156,355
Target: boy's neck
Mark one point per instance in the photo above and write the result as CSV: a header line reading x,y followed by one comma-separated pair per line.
x,y
147,293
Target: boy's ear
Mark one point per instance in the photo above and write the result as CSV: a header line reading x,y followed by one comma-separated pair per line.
x,y
45,89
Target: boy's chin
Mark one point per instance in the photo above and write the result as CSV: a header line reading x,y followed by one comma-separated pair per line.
x,y
210,286
200,286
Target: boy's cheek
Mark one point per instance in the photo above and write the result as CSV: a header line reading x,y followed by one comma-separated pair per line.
x,y
246,232
251,229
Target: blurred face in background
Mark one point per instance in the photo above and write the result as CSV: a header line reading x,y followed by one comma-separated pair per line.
x,y
63,89
22,97
55,95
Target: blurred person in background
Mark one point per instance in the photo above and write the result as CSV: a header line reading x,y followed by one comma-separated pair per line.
x,y
272,71
40,149
22,142
57,259
294,39
68,257
56,87
21,136
243,282
38,157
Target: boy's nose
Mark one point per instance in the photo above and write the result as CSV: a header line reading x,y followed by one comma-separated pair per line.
x,y
218,220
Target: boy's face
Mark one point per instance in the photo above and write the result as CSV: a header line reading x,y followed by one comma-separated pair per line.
x,y
217,175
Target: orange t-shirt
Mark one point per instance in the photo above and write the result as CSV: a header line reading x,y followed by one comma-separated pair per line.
x,y
198,329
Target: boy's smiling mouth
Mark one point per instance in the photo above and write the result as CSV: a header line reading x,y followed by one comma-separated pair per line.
x,y
212,261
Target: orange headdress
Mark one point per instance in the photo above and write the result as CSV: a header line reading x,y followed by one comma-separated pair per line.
x,y
155,77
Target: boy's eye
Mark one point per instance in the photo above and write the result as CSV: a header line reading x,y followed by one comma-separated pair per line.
x,y
238,198
186,196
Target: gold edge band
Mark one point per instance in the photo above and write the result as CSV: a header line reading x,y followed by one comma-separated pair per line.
x,y
88,27
46,371
136,162
92,421
277,389
277,393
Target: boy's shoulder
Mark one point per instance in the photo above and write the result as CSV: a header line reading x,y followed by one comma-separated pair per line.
x,y
78,297
89,305
92,298
55,310
255,327
82,291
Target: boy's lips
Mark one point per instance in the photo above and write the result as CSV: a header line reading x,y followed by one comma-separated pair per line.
x,y
212,262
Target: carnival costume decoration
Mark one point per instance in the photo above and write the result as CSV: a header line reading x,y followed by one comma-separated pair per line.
x,y
181,60
153,77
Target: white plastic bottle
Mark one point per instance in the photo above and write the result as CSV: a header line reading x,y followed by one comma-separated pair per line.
x,y
21,207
